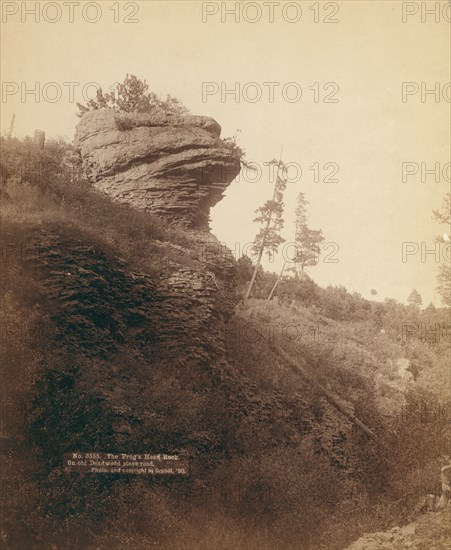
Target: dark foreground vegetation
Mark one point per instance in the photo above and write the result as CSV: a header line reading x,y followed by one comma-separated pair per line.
x,y
273,463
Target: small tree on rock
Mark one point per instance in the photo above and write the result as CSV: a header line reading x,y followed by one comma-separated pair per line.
x,y
133,96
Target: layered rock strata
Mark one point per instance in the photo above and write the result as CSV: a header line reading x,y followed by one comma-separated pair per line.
x,y
176,167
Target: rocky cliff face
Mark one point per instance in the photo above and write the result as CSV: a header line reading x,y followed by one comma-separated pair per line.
x,y
175,167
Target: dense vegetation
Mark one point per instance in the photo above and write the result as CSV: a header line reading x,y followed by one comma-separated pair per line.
x,y
274,465
133,96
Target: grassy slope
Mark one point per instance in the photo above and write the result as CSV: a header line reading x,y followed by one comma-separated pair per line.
x,y
273,463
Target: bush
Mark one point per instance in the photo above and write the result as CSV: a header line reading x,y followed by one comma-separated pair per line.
x,y
132,96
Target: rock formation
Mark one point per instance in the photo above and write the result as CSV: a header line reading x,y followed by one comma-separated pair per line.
x,y
175,167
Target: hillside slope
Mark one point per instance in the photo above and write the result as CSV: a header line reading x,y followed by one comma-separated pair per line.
x,y
429,532
120,335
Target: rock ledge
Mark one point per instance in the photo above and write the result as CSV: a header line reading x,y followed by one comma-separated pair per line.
x,y
176,167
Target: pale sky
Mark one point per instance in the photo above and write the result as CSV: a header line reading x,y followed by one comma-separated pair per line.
x,y
367,55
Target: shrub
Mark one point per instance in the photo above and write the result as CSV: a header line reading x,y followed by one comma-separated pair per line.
x,y
133,96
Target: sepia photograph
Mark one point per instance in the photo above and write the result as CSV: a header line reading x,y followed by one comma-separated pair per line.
x,y
225,275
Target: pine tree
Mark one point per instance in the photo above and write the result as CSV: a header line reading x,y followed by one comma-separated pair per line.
x,y
307,240
444,284
444,275
133,96
270,215
415,299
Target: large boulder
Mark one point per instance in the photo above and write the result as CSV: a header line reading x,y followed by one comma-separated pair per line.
x,y
174,166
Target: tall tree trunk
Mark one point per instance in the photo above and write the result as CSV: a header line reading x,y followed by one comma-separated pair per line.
x,y
262,245
276,283
11,126
329,396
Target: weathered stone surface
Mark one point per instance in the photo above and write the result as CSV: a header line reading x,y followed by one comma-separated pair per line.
x,y
175,167
428,532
